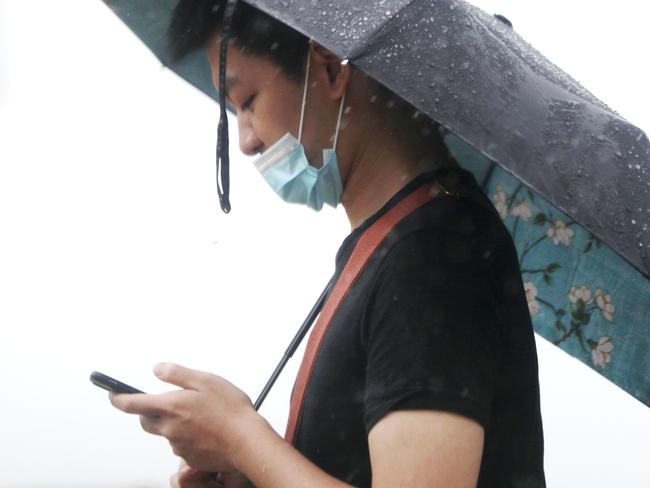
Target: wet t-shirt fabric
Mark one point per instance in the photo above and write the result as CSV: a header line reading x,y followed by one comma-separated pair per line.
x,y
438,320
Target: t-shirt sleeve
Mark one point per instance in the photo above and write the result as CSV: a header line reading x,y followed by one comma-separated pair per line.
x,y
431,331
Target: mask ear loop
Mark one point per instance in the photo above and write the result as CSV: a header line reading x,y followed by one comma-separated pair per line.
x,y
304,98
338,120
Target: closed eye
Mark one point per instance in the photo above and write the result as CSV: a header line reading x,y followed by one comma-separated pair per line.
x,y
249,102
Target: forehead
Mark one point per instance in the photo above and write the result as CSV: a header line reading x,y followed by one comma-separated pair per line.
x,y
242,66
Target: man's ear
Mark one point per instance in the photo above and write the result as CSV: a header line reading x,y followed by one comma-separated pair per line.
x,y
330,68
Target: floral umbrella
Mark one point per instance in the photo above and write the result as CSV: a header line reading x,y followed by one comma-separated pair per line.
x,y
568,176
582,296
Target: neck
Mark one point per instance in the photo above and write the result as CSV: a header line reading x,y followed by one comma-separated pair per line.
x,y
378,171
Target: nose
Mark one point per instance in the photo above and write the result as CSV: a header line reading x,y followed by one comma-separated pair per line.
x,y
249,143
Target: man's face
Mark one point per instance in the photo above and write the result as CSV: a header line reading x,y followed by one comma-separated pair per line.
x,y
267,101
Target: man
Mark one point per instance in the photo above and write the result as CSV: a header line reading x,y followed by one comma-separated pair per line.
x,y
428,373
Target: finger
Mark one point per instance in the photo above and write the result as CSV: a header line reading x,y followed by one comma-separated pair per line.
x,y
190,478
150,424
176,482
191,474
173,481
204,483
175,374
138,403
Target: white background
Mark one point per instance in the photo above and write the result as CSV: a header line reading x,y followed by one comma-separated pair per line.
x,y
114,254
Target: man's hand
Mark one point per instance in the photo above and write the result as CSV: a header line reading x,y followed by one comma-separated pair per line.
x,y
205,422
214,427
187,477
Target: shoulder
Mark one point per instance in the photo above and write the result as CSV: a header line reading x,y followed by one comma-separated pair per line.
x,y
452,232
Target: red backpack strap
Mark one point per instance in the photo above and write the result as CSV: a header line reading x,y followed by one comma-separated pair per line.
x,y
363,251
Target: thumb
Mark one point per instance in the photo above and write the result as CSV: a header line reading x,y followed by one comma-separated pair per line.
x,y
175,374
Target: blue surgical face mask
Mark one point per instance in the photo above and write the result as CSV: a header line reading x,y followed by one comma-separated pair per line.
x,y
287,170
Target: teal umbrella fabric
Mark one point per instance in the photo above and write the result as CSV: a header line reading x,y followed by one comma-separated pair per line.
x,y
568,176
582,296
148,20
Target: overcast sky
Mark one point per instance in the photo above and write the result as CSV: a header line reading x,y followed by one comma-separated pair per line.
x,y
114,254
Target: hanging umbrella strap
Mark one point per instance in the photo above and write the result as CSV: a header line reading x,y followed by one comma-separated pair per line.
x,y
223,153
363,251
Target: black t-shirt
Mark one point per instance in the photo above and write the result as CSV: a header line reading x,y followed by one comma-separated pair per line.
x,y
438,320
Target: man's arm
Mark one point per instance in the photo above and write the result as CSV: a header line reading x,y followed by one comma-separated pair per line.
x,y
424,448
410,448
213,425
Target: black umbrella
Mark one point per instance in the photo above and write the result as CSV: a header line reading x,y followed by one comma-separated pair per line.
x,y
571,178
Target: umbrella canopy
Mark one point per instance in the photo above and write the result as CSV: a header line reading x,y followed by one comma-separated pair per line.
x,y
572,180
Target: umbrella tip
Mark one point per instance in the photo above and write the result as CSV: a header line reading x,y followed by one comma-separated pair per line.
x,y
503,19
224,202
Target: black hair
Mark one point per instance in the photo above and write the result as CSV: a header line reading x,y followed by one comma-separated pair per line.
x,y
194,22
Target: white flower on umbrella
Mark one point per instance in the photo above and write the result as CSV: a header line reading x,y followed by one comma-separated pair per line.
x,y
522,210
560,233
601,353
582,293
605,305
531,295
501,202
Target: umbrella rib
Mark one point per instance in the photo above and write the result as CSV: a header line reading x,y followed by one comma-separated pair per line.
x,y
373,36
575,87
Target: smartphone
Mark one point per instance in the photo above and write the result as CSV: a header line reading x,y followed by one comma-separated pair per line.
x,y
111,384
